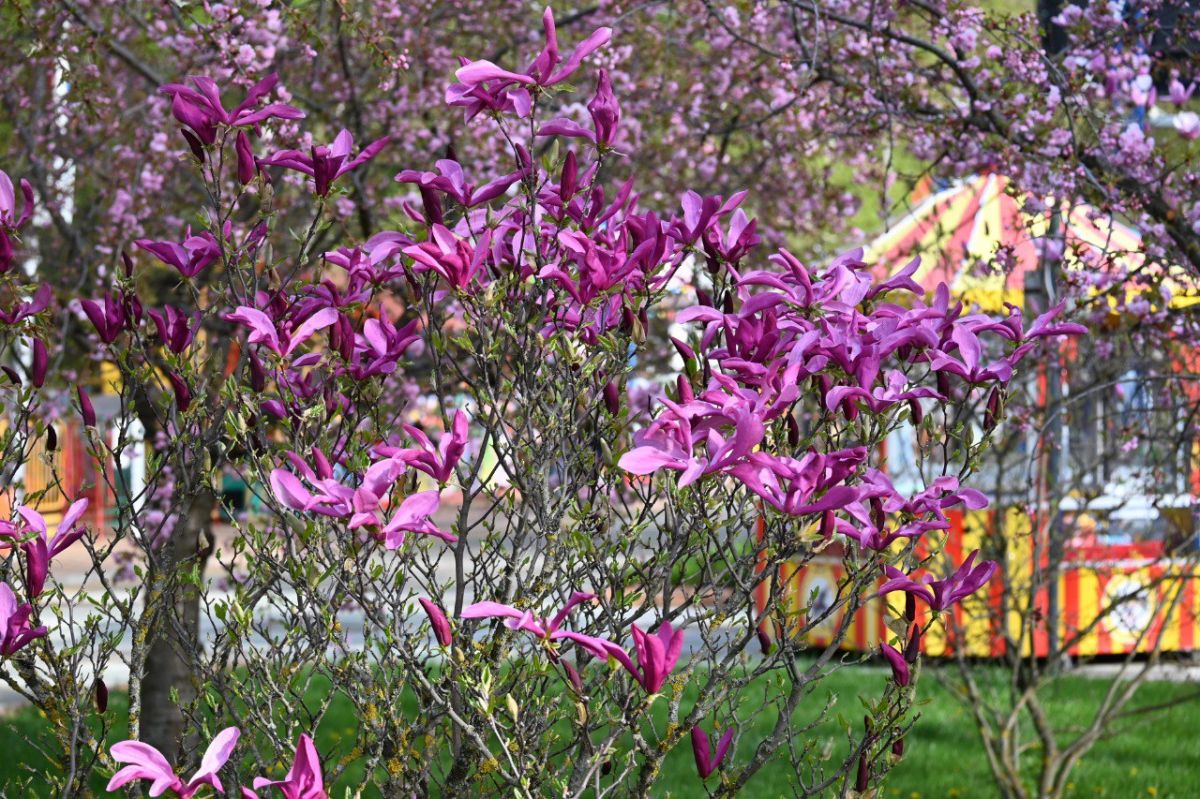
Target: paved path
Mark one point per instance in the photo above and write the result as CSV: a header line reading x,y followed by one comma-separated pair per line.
x,y
70,568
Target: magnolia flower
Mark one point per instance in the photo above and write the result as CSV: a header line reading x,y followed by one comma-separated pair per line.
x,y
9,221
656,655
457,260
438,463
546,70
303,781
451,181
108,318
263,330
413,516
175,328
942,594
202,111
483,86
147,763
605,112
15,632
360,506
708,761
39,302
194,254
39,550
325,164
544,629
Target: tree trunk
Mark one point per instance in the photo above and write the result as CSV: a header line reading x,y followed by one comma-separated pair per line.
x,y
168,686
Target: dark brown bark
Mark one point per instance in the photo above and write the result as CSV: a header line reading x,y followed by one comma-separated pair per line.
x,y
168,688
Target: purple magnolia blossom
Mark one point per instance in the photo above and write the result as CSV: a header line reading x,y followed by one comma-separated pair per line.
x,y
456,259
325,164
483,86
605,113
194,254
362,505
281,342
39,302
10,222
451,181
437,462
438,621
546,630
546,70
109,317
303,781
656,654
708,761
940,595
414,516
38,548
201,110
147,763
15,632
381,345
175,328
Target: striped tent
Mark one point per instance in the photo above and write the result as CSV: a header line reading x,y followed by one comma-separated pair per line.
x,y
980,238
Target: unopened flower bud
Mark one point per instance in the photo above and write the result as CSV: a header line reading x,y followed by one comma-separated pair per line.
x,y
612,398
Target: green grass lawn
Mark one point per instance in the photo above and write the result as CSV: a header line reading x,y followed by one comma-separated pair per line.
x,y
1157,757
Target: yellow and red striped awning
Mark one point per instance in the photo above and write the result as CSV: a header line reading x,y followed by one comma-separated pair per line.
x,y
980,237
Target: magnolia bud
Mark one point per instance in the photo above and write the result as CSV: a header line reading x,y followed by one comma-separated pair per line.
x,y
685,389
793,431
764,639
258,375
943,384
626,320
51,438
194,144
125,259
37,369
568,180
898,748
918,413
827,525
877,517
912,650
684,350
85,407
863,780
992,414
573,678
433,206
612,398
100,691
245,158
183,395
322,466
11,374
910,607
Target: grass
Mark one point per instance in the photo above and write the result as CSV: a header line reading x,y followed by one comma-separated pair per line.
x,y
1157,756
